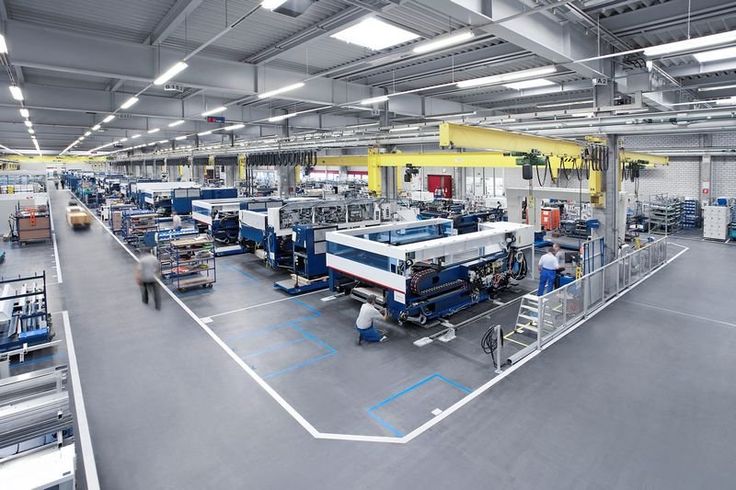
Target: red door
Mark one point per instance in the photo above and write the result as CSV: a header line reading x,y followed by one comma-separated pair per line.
x,y
443,182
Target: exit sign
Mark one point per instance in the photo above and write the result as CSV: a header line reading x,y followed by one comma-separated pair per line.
x,y
215,119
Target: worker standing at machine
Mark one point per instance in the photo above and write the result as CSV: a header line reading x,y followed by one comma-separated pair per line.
x,y
548,266
560,255
146,275
176,221
364,323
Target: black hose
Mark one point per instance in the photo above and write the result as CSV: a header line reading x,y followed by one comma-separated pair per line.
x,y
489,342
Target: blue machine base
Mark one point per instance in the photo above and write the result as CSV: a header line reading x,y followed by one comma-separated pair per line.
x,y
30,337
305,288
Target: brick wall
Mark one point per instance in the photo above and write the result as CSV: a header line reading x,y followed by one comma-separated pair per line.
x,y
661,141
724,176
679,178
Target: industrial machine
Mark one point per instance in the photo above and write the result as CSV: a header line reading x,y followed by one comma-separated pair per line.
x,y
464,219
157,196
423,270
182,199
220,219
272,230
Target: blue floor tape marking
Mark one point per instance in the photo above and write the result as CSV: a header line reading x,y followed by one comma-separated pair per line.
x,y
383,403
315,312
274,347
299,365
246,274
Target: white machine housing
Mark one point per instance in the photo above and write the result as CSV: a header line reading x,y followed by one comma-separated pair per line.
x,y
448,250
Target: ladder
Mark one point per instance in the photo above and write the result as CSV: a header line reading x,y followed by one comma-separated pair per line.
x,y
528,316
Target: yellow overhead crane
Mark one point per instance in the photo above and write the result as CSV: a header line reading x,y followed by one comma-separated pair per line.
x,y
502,149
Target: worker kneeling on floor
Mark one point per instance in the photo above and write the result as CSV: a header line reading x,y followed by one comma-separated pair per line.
x,y
364,323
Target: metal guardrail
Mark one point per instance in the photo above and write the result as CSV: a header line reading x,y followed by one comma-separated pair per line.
x,y
561,309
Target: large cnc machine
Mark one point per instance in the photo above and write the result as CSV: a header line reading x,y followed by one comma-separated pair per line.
x,y
423,270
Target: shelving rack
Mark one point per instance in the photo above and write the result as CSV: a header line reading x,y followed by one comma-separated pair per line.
x,y
664,214
163,246
24,318
192,262
136,223
691,217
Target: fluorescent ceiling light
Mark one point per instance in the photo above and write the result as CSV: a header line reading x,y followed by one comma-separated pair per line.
x,y
178,67
109,118
162,142
16,92
233,127
135,136
25,113
288,88
507,77
272,4
204,133
539,82
31,131
176,123
281,117
375,34
715,55
358,108
443,42
374,100
88,133
564,104
450,116
151,144
398,130
181,137
691,44
222,108
28,123
728,101
582,114
123,139
154,130
364,125
3,45
129,103
710,89
95,127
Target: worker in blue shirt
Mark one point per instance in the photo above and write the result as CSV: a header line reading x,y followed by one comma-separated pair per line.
x,y
548,266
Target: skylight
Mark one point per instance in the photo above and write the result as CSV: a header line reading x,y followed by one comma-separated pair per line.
x,y
374,34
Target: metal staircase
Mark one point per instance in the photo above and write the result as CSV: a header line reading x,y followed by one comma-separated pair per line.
x,y
528,316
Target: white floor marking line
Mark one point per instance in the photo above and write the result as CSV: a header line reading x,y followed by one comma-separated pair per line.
x,y
251,307
682,313
56,247
85,440
354,437
464,401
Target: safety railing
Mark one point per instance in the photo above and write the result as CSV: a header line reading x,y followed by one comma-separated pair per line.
x,y
562,308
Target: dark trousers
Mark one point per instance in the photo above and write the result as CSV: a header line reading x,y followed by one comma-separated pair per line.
x,y
153,287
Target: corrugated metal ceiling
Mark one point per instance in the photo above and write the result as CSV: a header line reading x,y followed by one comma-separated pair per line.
x,y
129,20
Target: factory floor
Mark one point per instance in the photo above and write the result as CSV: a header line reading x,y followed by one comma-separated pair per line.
x,y
242,386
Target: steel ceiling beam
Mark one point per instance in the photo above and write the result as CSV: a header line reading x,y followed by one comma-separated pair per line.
x,y
172,20
539,33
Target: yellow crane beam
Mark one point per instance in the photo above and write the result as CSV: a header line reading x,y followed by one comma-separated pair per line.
x,y
474,137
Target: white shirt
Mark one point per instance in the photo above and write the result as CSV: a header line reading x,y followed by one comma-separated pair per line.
x,y
367,314
149,268
176,221
549,261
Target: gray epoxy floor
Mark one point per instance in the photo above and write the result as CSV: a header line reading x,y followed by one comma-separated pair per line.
x,y
638,397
